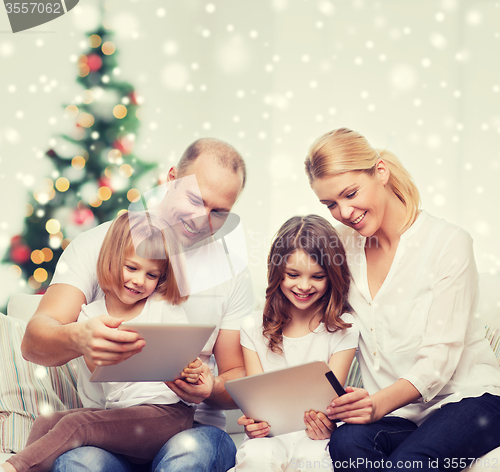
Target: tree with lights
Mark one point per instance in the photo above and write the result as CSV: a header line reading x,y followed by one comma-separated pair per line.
x,y
92,184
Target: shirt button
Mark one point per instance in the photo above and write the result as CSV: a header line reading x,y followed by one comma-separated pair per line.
x,y
374,353
371,329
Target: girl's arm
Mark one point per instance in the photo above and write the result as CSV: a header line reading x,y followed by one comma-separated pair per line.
x,y
318,425
253,366
340,363
252,362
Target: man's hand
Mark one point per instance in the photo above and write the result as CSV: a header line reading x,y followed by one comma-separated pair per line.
x,y
253,429
102,344
194,393
318,426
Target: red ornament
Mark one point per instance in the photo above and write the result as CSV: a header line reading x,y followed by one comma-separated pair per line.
x,y
104,182
124,145
133,98
83,216
20,253
16,240
94,62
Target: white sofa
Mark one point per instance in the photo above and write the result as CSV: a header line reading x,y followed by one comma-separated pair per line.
x,y
57,384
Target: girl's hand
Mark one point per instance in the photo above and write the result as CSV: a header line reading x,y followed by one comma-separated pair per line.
x,y
318,426
194,393
192,372
355,407
253,429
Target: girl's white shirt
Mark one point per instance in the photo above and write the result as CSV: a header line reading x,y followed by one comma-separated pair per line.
x,y
317,345
110,395
422,325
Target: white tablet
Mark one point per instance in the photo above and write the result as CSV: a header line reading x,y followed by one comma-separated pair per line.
x,y
169,348
281,397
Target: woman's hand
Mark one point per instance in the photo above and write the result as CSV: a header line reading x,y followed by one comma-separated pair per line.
x,y
318,426
355,407
253,429
192,372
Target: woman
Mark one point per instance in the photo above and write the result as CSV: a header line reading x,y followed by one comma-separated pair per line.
x,y
431,382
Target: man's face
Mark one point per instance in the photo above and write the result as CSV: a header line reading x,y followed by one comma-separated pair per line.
x,y
198,203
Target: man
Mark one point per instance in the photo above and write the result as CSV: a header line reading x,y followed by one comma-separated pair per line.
x,y
207,182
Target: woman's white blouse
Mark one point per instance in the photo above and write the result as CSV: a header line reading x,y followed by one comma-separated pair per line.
x,y
421,325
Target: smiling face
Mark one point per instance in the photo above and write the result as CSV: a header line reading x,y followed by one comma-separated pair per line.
x,y
199,202
356,199
140,278
304,281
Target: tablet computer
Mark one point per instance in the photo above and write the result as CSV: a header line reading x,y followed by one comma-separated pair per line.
x,y
281,397
169,348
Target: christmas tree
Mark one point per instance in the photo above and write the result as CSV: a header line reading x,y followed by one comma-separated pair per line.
x,y
93,183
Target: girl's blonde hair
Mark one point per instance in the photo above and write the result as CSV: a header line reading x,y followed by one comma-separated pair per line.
x,y
318,239
138,232
344,150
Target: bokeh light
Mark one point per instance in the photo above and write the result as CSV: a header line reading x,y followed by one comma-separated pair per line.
x,y
120,111
52,226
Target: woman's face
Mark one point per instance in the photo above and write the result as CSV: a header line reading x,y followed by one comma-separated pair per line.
x,y
356,199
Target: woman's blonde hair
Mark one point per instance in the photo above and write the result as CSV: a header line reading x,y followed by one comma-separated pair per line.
x,y
139,233
344,150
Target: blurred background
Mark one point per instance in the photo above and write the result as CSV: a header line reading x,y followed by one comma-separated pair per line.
x,y
421,78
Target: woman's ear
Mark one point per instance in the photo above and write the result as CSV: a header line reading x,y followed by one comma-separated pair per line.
x,y
382,171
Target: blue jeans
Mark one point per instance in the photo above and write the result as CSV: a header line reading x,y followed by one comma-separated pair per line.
x,y
202,448
450,439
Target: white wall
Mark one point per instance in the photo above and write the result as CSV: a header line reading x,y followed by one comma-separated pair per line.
x,y
269,76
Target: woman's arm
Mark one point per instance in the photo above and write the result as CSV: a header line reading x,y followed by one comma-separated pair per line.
x,y
358,407
454,288
318,426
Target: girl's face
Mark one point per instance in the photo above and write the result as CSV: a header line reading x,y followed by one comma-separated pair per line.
x,y
140,278
305,280
356,199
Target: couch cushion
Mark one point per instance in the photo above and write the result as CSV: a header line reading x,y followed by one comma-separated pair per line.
x,y
493,336
26,389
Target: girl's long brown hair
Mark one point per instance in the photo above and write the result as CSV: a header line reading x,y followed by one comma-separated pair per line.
x,y
319,240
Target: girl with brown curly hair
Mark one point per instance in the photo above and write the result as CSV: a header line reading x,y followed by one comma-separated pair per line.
x,y
305,318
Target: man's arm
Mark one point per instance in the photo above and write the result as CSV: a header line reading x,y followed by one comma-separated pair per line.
x,y
53,337
48,339
230,364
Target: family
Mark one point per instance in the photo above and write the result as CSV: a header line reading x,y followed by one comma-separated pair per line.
x,y
393,284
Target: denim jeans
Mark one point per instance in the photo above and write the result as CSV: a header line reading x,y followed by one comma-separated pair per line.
x,y
450,439
203,448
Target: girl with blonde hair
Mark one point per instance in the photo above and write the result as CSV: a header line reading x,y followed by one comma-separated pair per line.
x,y
132,419
431,381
